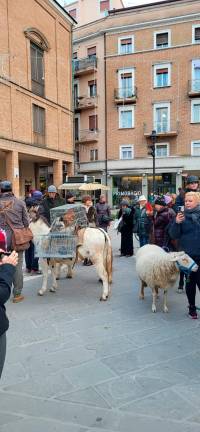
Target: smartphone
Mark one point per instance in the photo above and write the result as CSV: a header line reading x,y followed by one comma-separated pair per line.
x,y
2,254
181,209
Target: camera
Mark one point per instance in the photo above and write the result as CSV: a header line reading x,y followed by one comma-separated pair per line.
x,y
181,209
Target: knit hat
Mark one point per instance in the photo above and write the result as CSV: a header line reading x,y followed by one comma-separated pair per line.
x,y
142,198
160,200
192,179
125,203
3,240
69,195
37,195
52,188
6,186
167,199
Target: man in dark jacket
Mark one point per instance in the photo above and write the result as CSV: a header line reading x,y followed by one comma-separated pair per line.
x,y
13,210
162,218
103,213
51,201
7,270
192,185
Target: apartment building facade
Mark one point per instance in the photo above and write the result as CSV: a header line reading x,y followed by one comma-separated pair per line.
x,y
87,11
36,112
150,81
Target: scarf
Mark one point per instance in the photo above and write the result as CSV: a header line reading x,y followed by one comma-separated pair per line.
x,y
194,214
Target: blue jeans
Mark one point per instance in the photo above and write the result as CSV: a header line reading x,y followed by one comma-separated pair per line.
x,y
143,239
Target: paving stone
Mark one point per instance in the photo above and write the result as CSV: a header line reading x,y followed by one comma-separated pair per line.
x,y
88,396
90,373
37,425
49,386
165,404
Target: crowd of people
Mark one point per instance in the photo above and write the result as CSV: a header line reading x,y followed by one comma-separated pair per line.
x,y
171,222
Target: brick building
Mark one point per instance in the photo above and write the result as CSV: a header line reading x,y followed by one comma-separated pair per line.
x,y
36,113
144,62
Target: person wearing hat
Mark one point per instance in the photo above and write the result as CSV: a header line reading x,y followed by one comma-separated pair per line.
x,y
13,212
70,198
32,263
163,216
7,270
192,185
126,214
52,200
143,220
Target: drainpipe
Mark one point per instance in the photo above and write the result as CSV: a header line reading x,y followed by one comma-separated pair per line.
x,y
105,83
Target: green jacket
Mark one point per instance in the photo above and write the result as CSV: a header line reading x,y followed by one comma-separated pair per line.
x,y
143,222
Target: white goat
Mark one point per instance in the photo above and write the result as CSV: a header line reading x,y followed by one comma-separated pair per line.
x,y
159,269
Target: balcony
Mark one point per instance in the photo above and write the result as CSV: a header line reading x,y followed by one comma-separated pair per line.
x,y
87,136
125,95
85,102
85,66
163,129
194,88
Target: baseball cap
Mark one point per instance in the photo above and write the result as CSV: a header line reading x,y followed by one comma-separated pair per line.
x,y
52,188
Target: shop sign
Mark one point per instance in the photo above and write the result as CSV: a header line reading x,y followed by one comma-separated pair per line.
x,y
126,193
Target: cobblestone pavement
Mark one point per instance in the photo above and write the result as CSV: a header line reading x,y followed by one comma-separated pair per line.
x,y
75,364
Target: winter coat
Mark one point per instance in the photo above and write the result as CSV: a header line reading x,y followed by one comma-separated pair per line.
x,y
49,203
160,226
6,277
188,232
103,209
127,221
91,216
143,222
180,199
15,209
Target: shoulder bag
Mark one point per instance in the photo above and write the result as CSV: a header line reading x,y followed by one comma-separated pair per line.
x,y
21,237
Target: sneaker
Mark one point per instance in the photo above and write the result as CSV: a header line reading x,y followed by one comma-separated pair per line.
x,y
18,298
36,272
192,314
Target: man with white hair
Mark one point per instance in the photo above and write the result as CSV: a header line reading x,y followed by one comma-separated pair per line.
x,y
143,220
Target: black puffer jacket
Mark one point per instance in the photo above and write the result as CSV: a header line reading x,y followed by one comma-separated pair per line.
x,y
6,277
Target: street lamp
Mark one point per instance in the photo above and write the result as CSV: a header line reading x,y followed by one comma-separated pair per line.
x,y
152,153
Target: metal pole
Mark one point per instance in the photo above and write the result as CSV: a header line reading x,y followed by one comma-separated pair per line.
x,y
153,138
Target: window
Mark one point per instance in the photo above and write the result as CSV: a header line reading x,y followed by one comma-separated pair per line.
x,y
126,152
126,45
195,148
91,52
37,70
195,111
77,127
92,85
196,75
94,154
38,124
162,150
196,34
76,94
93,122
77,156
126,117
162,75
126,83
72,12
162,39
104,5
162,117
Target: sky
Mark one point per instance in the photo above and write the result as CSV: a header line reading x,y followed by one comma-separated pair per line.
x,y
126,2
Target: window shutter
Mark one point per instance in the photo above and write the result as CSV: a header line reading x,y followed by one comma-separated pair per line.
x,y
104,5
93,122
91,51
126,75
162,71
126,41
93,82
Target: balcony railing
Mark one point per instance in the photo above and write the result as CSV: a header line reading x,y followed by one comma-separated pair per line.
x,y
163,128
87,136
194,88
125,95
85,65
85,102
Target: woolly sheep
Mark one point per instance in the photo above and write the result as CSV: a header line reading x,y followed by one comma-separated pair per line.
x,y
159,269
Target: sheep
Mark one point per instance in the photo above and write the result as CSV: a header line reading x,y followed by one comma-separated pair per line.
x,y
159,269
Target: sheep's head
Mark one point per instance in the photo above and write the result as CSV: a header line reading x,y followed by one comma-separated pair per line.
x,y
184,261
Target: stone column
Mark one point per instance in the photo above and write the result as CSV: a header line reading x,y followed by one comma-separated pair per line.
x,y
57,172
12,170
145,185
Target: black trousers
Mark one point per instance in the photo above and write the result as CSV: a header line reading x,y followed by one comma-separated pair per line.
x,y
2,351
31,261
191,283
